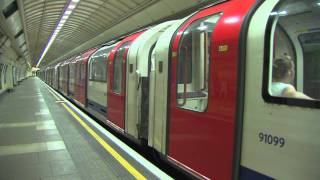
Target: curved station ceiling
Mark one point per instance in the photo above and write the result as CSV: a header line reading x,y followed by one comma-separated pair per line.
x,y
79,24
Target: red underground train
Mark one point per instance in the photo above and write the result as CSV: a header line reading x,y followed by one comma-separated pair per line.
x,y
205,92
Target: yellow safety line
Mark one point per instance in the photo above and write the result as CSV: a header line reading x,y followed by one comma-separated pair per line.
x,y
105,145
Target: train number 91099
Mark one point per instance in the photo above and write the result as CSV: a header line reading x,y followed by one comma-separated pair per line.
x,y
271,139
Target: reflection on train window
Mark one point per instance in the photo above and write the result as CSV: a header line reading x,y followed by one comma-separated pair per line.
x,y
193,64
118,68
98,67
295,50
311,66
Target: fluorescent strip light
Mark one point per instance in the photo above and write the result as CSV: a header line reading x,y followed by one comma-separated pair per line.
x,y
71,5
62,21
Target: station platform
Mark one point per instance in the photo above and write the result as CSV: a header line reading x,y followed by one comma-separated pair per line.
x,y
45,137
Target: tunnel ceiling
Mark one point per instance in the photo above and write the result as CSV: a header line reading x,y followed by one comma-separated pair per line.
x,y
92,22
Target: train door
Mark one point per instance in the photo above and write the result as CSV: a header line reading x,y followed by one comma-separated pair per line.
x,y
97,80
78,85
81,77
72,77
137,84
65,78
203,90
158,89
117,90
193,126
281,124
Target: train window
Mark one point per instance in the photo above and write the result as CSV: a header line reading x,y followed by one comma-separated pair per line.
x,y
98,69
193,64
72,71
82,74
311,65
294,57
98,65
118,67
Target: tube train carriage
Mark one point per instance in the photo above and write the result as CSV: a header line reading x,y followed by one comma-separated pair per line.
x,y
198,89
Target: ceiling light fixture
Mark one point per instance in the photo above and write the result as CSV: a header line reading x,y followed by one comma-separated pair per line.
x,y
67,11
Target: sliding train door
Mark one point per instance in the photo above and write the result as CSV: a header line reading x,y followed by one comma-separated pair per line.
x,y
116,84
281,129
158,89
195,127
139,65
203,90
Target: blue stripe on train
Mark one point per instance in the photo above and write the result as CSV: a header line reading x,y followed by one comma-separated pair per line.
x,y
249,174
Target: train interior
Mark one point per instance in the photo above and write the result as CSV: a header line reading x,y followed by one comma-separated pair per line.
x,y
296,34
194,64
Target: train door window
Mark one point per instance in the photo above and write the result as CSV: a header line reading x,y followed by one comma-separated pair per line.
x,y
98,65
101,67
81,71
194,64
293,60
311,65
77,73
119,59
91,74
72,73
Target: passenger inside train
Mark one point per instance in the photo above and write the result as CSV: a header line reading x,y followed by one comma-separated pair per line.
x,y
294,56
283,74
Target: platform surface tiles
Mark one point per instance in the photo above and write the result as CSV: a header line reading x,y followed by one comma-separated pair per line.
x,y
44,137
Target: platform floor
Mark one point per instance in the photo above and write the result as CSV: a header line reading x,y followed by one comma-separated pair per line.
x,y
41,140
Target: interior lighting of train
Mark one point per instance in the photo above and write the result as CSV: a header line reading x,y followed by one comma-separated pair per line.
x,y
281,13
202,28
68,11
